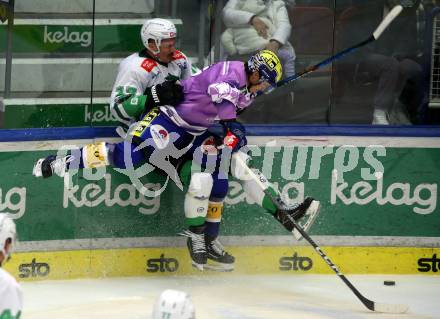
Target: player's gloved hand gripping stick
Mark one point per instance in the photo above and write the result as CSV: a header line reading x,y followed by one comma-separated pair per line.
x,y
234,135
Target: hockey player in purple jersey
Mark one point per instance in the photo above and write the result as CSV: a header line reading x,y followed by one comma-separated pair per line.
x,y
168,134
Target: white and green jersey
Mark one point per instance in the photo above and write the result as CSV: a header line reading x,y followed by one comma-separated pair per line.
x,y
138,72
11,298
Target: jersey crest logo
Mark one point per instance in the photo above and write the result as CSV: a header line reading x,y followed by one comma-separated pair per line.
x,y
177,55
148,65
160,135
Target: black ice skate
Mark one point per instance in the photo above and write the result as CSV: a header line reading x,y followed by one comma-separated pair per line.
x,y
46,167
196,246
218,258
304,215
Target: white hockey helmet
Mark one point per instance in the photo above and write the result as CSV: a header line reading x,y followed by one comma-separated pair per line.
x,y
174,304
7,231
157,29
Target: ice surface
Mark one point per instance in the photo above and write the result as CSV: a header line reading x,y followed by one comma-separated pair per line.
x,y
233,297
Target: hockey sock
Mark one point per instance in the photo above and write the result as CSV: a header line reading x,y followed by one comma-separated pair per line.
x,y
89,156
255,192
267,202
213,218
212,229
194,221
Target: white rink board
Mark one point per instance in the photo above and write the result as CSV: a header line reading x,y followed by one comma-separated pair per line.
x,y
229,296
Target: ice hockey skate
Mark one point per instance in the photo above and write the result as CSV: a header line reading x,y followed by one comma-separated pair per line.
x,y
46,167
218,258
304,215
196,246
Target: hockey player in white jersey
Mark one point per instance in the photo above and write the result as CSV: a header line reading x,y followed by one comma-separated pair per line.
x,y
147,79
11,302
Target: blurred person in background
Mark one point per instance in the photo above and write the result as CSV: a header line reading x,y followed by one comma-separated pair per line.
x,y
391,65
253,25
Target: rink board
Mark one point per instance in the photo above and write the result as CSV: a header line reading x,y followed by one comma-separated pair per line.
x,y
382,217
249,260
389,190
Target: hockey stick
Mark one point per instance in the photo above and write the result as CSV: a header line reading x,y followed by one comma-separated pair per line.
x,y
376,34
371,305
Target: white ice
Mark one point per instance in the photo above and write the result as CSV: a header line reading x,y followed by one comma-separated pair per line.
x,y
233,297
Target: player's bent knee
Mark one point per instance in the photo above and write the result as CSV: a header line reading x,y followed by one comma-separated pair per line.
x,y
197,197
200,184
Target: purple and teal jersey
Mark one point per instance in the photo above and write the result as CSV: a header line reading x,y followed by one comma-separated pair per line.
x,y
217,93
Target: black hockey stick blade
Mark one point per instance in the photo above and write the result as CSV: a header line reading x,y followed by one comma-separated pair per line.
x,y
371,305
376,34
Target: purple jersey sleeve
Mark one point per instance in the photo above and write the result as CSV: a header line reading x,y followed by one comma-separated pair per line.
x,y
226,110
214,94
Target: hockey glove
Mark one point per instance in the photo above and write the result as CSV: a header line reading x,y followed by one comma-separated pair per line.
x,y
167,93
234,135
172,78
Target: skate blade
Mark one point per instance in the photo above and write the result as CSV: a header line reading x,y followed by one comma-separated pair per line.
x,y
197,266
213,266
312,213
